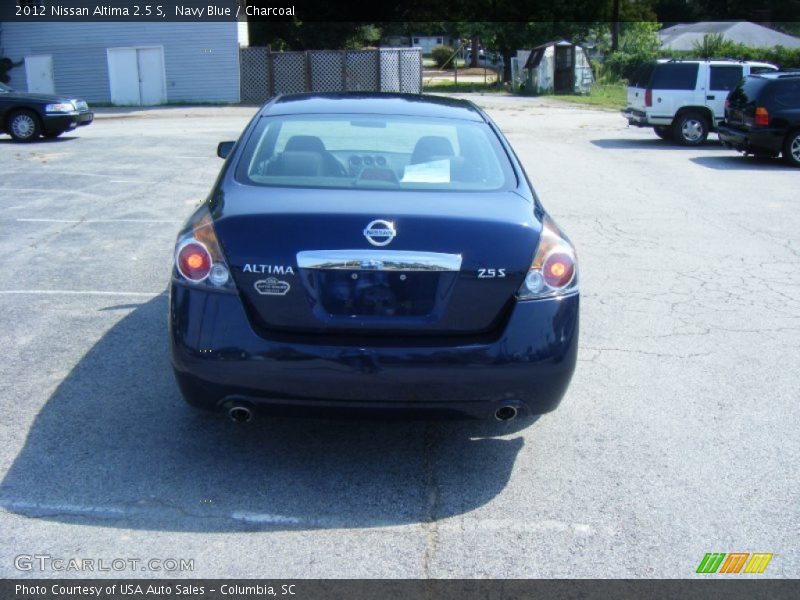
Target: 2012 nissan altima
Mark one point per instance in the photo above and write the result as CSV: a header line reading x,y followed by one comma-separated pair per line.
x,y
373,252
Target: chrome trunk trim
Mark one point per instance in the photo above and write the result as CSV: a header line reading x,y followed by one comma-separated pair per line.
x,y
378,260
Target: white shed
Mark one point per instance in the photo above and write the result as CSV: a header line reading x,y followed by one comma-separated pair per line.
x,y
557,68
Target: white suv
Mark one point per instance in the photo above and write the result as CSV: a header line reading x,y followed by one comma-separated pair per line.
x,y
683,100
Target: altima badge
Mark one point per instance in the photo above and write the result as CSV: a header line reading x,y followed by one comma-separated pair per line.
x,y
380,232
272,287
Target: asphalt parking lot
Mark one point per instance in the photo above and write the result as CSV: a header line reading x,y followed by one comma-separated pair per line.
x,y
677,437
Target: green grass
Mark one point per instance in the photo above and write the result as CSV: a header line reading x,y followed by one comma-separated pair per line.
x,y
451,87
611,96
429,63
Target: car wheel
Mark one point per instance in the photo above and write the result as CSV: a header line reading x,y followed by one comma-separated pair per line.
x,y
52,134
23,126
791,149
665,133
690,129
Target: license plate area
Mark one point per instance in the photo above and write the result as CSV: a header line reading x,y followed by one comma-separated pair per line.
x,y
363,293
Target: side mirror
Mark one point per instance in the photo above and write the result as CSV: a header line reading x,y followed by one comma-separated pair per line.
x,y
224,149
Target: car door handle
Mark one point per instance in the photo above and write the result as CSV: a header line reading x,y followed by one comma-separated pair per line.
x,y
710,97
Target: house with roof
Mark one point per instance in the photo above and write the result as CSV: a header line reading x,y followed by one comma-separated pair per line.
x,y
684,36
429,42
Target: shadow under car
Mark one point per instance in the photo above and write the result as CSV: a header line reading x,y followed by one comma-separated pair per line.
x,y
115,446
736,162
651,144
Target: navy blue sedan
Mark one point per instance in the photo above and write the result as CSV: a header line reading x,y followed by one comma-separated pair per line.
x,y
373,253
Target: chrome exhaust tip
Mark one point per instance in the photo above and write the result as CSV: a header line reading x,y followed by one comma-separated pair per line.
x,y
506,413
240,414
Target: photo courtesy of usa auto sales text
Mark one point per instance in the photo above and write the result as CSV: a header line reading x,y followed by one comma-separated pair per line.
x,y
140,590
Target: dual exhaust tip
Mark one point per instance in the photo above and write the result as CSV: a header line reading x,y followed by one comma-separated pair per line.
x,y
240,413
506,413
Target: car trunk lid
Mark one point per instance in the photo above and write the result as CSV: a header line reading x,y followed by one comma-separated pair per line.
x,y
743,101
637,89
302,261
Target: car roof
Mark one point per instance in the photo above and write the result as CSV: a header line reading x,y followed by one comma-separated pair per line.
x,y
715,61
372,103
788,74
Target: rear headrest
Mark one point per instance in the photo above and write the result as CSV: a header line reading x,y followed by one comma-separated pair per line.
x,y
305,143
301,164
431,147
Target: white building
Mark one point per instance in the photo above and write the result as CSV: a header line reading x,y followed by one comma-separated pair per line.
x,y
126,63
428,42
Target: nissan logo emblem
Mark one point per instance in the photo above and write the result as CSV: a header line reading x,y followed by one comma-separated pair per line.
x,y
380,232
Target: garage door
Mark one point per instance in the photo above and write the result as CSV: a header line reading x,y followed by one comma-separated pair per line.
x,y
136,76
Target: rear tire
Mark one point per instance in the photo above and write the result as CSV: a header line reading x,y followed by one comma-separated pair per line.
x,y
791,149
690,129
23,125
665,133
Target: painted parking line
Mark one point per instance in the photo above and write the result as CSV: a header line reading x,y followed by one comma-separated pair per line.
x,y
77,293
32,220
37,509
264,518
42,508
48,191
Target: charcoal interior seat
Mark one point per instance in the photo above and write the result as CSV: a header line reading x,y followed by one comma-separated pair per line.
x,y
431,147
297,164
311,143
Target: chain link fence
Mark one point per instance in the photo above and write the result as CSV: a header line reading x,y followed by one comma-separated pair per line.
x,y
266,74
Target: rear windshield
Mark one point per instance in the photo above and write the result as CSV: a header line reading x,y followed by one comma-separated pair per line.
x,y
677,76
642,75
375,151
747,91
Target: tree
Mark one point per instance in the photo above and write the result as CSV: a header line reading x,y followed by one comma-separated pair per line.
x,y
300,35
712,45
638,44
6,65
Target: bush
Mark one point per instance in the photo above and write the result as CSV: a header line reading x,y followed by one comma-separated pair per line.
x,y
441,54
622,65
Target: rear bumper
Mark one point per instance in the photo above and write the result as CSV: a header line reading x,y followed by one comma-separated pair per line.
x,y
757,140
639,118
218,360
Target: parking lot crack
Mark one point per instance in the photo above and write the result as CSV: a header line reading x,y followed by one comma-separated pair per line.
x,y
647,353
431,443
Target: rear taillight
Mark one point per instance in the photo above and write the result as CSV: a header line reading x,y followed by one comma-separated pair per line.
x,y
554,268
762,116
198,256
194,261
648,97
558,269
